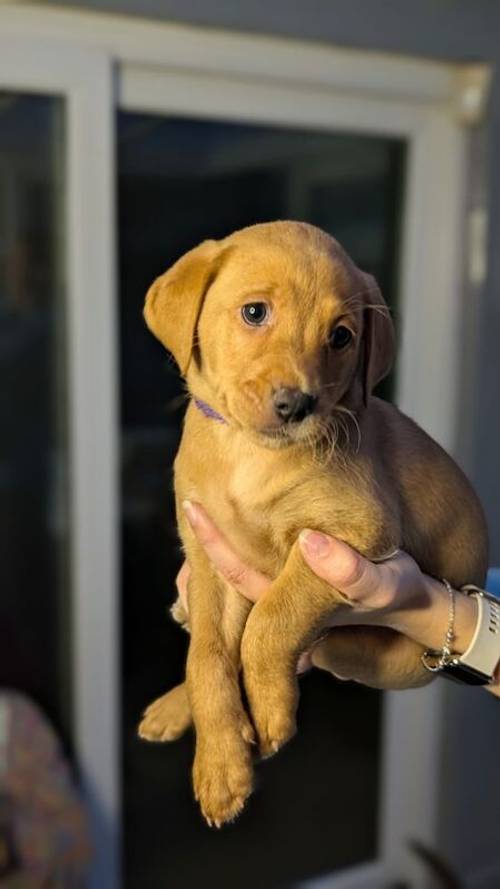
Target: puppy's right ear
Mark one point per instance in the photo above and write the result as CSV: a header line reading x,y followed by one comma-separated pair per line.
x,y
174,301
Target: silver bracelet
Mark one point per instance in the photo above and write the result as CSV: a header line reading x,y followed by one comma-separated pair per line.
x,y
434,661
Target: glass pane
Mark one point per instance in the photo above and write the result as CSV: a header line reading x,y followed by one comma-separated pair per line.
x,y
315,807
34,598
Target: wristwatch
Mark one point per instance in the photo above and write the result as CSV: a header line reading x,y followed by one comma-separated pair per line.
x,y
477,665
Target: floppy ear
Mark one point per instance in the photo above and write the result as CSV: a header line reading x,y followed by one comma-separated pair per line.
x,y
378,338
174,300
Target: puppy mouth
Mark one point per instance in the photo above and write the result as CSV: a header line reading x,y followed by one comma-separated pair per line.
x,y
274,432
290,432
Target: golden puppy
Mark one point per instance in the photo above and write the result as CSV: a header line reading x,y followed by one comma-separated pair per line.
x,y
281,339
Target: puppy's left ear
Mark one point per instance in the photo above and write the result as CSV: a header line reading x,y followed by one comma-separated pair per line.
x,y
174,301
378,338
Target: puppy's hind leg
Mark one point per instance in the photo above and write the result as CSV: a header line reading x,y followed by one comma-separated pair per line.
x,y
167,718
222,769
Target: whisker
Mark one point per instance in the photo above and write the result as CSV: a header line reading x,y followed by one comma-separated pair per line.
x,y
349,413
352,302
327,442
381,309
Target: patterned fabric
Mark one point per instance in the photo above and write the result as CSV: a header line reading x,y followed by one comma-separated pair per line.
x,y
47,826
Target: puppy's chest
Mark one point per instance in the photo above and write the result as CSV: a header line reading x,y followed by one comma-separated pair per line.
x,y
261,506
261,499
240,497
245,497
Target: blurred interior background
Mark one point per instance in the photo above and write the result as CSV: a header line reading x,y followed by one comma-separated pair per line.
x,y
129,132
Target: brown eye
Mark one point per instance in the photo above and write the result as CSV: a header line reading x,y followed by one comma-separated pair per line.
x,y
340,337
254,313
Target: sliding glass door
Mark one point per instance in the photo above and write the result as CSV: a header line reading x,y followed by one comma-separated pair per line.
x,y
35,602
315,809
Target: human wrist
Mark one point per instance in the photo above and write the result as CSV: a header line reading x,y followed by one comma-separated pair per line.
x,y
425,618
466,615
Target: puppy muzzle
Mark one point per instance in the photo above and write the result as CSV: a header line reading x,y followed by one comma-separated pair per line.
x,y
292,405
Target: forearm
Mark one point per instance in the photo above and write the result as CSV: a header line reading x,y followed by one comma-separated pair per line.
x,y
425,619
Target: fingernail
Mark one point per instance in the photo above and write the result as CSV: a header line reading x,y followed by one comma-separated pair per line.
x,y
190,512
314,543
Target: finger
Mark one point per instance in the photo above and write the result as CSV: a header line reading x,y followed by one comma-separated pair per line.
x,y
181,582
250,583
361,581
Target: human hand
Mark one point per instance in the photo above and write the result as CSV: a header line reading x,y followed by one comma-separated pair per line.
x,y
393,608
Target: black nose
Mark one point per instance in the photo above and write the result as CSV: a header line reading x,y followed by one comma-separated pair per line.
x,y
292,404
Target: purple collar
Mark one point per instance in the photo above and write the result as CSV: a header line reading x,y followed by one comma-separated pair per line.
x,y
208,411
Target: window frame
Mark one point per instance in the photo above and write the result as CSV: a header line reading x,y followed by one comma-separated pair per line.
x,y
102,62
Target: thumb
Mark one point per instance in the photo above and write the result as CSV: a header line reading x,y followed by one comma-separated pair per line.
x,y
345,569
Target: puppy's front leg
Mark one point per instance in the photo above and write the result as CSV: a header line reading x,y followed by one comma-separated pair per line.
x,y
283,624
222,770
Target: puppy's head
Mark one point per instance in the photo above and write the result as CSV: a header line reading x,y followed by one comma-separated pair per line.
x,y
274,327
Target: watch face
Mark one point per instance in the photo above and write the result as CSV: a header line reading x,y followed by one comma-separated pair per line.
x,y
465,675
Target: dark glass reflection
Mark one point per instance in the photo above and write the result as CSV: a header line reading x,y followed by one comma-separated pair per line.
x,y
34,598
315,807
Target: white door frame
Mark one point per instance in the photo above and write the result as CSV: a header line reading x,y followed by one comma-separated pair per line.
x,y
164,69
83,78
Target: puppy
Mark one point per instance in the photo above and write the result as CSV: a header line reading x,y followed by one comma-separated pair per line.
x,y
281,339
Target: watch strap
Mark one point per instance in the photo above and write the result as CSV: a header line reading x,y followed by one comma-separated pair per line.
x,y
477,665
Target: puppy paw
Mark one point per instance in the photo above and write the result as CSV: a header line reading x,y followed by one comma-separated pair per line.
x,y
180,614
273,706
274,726
167,718
222,777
